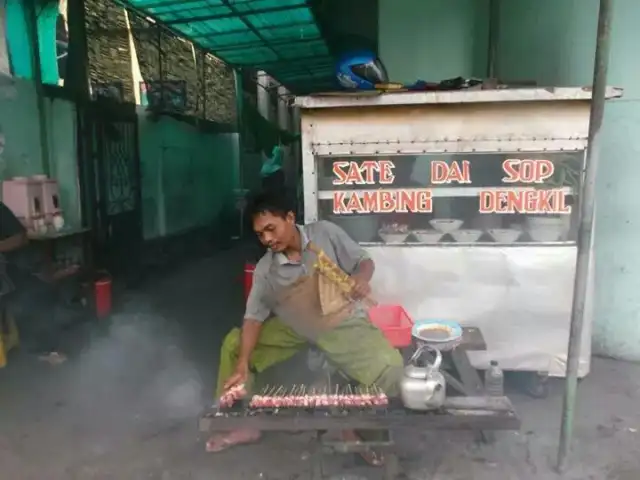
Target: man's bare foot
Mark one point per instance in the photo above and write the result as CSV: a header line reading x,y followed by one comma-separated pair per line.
x,y
224,441
371,457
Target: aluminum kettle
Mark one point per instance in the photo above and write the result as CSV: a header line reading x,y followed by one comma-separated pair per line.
x,y
423,388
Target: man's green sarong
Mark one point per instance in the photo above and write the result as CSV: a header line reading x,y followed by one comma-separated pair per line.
x,y
355,347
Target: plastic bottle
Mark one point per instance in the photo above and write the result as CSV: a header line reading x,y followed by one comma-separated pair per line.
x,y
494,380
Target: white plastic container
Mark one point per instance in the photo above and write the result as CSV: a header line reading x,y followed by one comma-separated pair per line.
x,y
50,197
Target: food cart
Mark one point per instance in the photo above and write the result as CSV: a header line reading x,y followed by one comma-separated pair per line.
x,y
468,202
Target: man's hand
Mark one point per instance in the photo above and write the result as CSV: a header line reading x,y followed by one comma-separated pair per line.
x,y
361,287
239,377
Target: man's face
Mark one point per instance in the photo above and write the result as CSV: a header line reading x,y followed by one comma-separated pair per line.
x,y
274,231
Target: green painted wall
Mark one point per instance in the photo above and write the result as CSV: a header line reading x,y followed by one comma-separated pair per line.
x,y
22,155
433,39
19,123
551,42
559,50
187,175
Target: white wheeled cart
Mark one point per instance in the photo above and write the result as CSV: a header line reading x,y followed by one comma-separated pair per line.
x,y
468,203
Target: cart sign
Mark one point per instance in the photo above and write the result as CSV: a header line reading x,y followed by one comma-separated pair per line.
x,y
534,200
375,172
522,189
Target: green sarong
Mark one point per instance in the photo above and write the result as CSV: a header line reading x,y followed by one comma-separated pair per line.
x,y
355,347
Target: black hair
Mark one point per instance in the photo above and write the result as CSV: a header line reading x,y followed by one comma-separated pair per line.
x,y
268,202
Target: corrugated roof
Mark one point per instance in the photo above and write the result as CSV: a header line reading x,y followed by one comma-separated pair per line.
x,y
278,36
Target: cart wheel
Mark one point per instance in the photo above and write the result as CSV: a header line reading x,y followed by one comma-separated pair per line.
x,y
537,385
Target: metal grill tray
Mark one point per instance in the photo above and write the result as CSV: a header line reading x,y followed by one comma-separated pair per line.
x,y
458,413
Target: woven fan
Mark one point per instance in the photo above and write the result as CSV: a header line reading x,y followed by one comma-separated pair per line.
x,y
332,298
339,285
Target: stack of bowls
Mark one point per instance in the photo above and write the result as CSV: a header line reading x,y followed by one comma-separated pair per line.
x,y
446,225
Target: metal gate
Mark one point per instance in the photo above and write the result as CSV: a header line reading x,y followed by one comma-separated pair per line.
x,y
111,182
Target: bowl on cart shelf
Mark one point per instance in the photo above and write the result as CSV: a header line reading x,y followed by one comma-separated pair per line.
x,y
446,225
466,235
427,236
394,233
544,228
545,233
544,221
505,235
393,237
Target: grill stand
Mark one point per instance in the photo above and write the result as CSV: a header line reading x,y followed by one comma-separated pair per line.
x,y
473,410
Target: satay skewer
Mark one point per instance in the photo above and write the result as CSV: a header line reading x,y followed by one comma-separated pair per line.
x,y
298,397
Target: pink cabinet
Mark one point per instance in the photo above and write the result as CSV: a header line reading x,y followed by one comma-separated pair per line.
x,y
23,196
34,200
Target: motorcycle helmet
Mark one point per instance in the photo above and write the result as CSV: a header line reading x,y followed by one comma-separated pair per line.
x,y
361,70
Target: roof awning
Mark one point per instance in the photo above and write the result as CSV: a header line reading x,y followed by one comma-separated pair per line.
x,y
280,37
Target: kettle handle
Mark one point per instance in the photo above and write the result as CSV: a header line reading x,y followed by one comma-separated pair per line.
x,y
421,349
438,360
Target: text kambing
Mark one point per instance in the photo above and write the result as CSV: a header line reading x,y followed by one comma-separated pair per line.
x,y
383,201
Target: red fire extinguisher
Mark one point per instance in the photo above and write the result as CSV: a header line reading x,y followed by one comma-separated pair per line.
x,y
249,268
102,292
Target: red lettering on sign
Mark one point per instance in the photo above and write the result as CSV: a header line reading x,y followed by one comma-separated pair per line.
x,y
352,173
369,167
442,172
383,201
527,171
338,202
523,201
370,202
385,167
339,173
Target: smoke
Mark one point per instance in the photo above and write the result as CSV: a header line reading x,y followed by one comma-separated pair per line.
x,y
137,370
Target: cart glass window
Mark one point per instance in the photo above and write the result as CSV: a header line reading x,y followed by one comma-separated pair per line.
x,y
464,198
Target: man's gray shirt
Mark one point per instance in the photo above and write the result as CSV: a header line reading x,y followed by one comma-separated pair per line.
x,y
275,271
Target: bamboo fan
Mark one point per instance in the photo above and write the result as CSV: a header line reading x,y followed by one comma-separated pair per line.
x,y
332,297
335,285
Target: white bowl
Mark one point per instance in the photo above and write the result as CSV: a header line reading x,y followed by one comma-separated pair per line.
x,y
466,235
446,225
390,237
544,221
505,235
428,236
545,233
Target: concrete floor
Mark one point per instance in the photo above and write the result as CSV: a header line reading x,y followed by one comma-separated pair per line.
x,y
124,406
